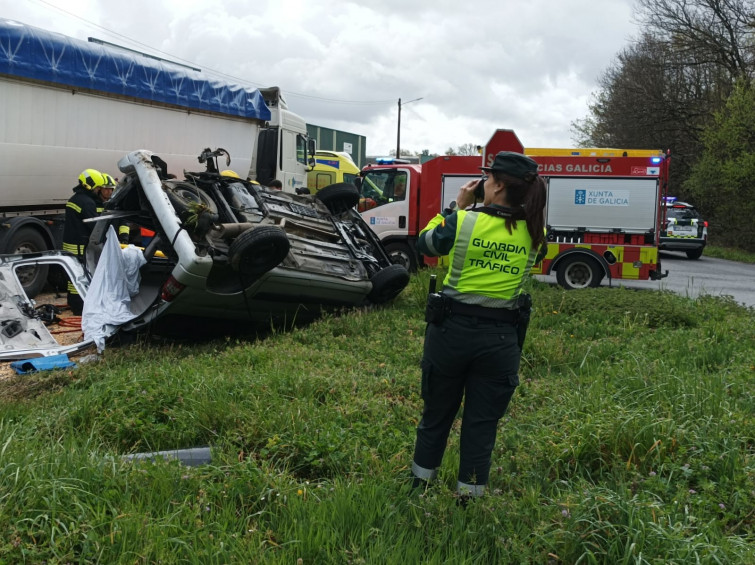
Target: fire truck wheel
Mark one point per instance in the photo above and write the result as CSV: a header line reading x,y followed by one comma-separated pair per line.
x,y
579,271
257,250
401,254
29,240
339,197
388,283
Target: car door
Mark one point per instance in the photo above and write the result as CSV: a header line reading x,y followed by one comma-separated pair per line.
x,y
23,332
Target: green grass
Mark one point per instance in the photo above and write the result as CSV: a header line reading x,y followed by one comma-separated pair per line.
x,y
729,253
630,440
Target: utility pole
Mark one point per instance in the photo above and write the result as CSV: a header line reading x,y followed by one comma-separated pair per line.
x,y
398,130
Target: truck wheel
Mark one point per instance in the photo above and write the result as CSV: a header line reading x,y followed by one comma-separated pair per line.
x,y
33,279
402,254
388,283
257,250
694,253
579,271
339,197
185,196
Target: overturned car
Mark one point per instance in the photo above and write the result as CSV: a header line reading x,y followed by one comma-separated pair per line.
x,y
216,247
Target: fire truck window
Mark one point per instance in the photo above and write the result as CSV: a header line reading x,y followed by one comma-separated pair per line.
x,y
382,187
399,186
373,188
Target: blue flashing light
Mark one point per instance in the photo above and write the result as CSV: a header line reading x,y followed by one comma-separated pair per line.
x,y
670,199
656,160
384,160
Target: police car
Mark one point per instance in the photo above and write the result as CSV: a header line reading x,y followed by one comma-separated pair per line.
x,y
684,229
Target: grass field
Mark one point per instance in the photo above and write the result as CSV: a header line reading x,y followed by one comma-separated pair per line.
x,y
630,440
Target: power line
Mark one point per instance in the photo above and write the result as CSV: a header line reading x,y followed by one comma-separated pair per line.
x,y
214,71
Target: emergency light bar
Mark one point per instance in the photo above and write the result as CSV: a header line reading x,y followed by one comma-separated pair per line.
x,y
391,161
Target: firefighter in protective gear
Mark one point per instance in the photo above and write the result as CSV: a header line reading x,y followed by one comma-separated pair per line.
x,y
106,193
472,349
88,199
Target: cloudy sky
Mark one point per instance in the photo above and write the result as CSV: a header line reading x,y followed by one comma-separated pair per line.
x,y
526,65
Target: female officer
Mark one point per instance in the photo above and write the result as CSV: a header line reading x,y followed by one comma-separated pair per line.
x,y
473,352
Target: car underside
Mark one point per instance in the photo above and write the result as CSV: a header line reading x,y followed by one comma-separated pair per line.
x,y
226,249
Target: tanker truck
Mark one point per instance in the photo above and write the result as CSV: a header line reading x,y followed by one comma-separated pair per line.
x,y
69,105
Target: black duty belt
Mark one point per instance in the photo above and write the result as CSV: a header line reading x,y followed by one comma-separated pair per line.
x,y
501,314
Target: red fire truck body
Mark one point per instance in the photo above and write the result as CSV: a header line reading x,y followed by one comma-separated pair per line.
x,y
603,214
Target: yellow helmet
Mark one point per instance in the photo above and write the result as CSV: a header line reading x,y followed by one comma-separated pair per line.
x,y
109,181
229,173
91,179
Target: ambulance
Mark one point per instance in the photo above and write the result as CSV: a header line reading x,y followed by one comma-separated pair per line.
x,y
331,167
604,211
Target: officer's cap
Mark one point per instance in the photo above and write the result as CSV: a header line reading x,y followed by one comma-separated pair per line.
x,y
514,164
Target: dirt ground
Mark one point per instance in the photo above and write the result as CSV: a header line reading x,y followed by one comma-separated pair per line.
x,y
66,332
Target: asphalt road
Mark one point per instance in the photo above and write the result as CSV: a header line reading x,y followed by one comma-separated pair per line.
x,y
707,275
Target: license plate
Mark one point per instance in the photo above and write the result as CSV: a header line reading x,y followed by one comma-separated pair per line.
x,y
684,228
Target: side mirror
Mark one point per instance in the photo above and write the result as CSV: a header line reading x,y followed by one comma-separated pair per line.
x,y
311,148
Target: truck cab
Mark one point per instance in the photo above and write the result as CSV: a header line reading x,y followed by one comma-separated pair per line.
x,y
284,151
389,193
398,199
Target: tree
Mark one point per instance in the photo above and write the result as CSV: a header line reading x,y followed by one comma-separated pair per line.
x,y
662,91
709,32
651,98
466,149
721,182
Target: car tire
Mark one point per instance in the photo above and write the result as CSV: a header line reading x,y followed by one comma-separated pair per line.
x,y
388,283
29,240
184,196
258,250
579,271
339,197
694,253
402,254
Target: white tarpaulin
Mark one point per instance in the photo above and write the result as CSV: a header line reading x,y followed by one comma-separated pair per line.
x,y
115,281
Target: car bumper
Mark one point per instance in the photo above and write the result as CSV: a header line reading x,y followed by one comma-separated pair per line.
x,y
681,244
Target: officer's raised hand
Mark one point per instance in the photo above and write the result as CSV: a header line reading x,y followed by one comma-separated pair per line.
x,y
466,196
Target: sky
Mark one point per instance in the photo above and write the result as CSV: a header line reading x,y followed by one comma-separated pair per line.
x,y
461,69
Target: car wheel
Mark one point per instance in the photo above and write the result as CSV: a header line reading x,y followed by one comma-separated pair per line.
x,y
402,254
257,250
33,279
339,197
579,271
694,253
388,283
184,197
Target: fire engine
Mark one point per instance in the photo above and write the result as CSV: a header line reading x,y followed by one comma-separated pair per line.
x,y
603,214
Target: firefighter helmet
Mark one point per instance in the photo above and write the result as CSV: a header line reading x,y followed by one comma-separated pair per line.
x,y
91,179
229,173
109,181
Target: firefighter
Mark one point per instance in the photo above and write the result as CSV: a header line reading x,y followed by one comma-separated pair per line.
x,y
476,324
89,197
106,193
